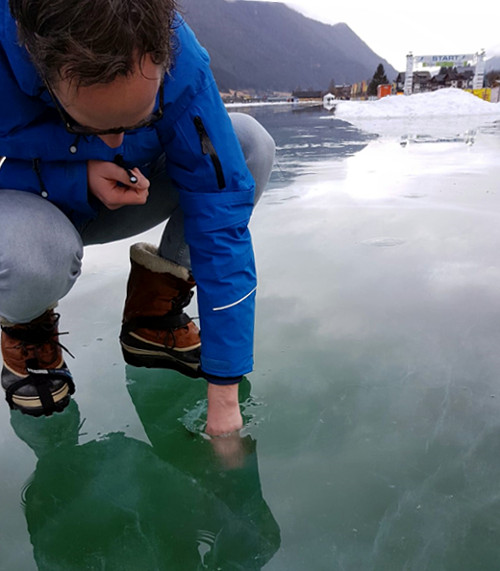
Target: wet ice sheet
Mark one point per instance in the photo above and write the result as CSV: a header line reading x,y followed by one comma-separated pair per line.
x,y
381,293
375,396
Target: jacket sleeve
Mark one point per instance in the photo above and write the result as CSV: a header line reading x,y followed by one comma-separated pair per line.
x,y
205,161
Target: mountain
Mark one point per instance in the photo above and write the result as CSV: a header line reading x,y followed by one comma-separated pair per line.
x,y
268,46
493,63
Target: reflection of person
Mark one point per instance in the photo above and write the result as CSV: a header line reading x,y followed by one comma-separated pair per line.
x,y
110,123
120,504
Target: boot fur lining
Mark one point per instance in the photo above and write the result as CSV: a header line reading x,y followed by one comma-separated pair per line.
x,y
146,255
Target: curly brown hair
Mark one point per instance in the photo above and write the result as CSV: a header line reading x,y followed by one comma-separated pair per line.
x,y
94,41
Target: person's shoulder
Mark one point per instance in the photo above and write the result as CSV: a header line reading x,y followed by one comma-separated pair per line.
x,y
190,72
186,45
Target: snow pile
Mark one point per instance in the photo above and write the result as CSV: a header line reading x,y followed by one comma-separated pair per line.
x,y
444,102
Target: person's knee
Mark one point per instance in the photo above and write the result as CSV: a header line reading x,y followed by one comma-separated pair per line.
x,y
258,148
253,137
40,256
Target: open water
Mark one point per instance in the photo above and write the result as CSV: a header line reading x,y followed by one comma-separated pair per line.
x,y
372,437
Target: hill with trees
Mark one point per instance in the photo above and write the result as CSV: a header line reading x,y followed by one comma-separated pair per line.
x,y
267,46
493,63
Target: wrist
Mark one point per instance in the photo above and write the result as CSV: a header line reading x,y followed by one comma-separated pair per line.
x,y
223,414
216,380
223,395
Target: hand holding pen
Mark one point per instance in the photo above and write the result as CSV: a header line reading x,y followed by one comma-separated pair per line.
x,y
120,161
114,184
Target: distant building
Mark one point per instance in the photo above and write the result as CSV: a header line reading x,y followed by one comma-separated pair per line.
x,y
421,81
307,95
329,101
279,99
461,78
400,82
343,91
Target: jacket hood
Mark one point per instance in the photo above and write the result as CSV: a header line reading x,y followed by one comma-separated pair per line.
x,y
20,63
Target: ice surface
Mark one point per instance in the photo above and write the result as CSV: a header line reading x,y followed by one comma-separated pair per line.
x,y
375,400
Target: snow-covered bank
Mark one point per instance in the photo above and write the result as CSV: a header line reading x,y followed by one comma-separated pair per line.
x,y
447,112
444,102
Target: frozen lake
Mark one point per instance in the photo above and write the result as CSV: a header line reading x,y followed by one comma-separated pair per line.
x,y
372,437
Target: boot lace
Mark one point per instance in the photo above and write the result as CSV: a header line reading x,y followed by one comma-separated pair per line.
x,y
34,338
178,304
38,343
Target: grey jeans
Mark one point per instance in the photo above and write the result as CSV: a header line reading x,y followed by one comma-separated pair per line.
x,y
41,250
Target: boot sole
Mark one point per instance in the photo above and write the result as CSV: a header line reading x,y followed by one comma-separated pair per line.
x,y
30,403
157,360
32,406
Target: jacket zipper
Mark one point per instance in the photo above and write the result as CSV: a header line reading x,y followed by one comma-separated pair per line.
x,y
36,168
208,148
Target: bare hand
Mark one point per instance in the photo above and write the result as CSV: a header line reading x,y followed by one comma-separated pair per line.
x,y
223,414
111,184
223,424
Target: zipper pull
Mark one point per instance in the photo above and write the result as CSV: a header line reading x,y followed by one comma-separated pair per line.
x,y
206,144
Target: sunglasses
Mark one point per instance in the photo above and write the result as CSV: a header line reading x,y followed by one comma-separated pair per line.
x,y
75,128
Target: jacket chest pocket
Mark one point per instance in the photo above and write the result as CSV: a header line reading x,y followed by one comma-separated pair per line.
x,y
208,148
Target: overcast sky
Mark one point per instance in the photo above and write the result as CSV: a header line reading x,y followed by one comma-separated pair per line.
x,y
392,28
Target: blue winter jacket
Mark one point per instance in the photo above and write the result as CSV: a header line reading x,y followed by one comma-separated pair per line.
x,y
215,186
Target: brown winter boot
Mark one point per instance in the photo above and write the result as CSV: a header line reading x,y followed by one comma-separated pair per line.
x,y
156,333
34,375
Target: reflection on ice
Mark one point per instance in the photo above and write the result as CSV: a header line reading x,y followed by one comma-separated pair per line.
x,y
119,503
468,138
303,141
437,169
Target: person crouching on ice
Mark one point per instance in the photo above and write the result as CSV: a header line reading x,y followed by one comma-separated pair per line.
x,y
110,123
